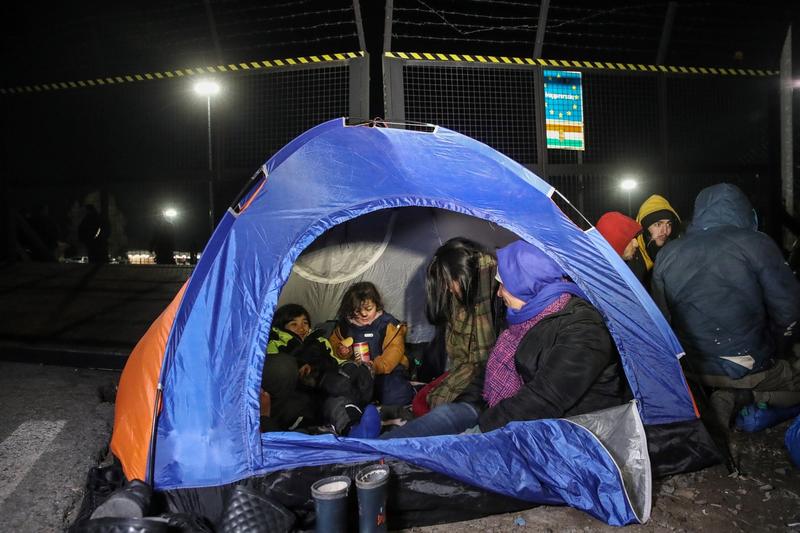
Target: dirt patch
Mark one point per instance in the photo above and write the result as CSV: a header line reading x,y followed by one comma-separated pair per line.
x,y
765,496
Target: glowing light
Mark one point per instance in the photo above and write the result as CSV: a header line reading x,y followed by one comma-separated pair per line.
x,y
170,213
206,88
628,184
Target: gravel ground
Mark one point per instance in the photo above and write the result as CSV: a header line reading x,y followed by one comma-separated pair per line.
x,y
765,497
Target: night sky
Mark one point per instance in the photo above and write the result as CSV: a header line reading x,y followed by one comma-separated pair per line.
x,y
146,143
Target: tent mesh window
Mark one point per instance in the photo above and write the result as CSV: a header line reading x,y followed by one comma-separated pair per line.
x,y
495,106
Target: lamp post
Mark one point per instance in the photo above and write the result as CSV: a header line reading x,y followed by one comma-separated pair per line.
x,y
628,185
170,213
209,88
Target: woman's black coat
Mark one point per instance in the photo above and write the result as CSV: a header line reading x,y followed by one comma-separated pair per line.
x,y
569,366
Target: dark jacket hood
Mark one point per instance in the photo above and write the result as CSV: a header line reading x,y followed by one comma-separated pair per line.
x,y
723,205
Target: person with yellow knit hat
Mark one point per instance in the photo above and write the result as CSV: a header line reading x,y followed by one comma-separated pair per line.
x,y
661,224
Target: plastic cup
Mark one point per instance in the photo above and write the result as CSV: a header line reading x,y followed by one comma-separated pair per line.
x,y
372,487
330,504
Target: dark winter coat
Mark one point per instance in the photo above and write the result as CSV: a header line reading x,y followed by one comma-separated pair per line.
x,y
314,351
725,287
569,366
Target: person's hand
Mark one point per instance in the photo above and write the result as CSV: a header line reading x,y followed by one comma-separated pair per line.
x,y
266,403
369,365
304,370
344,352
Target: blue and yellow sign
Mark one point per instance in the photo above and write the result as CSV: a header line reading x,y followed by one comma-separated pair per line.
x,y
563,106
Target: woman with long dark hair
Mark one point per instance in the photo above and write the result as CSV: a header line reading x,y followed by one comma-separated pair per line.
x,y
555,359
461,286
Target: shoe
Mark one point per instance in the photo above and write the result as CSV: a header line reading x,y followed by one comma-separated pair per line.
x,y
792,442
187,523
760,416
110,524
131,501
101,482
370,425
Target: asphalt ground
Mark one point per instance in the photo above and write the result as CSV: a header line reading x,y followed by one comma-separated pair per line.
x,y
56,422
54,425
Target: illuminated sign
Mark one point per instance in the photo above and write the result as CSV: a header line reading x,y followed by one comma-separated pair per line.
x,y
563,106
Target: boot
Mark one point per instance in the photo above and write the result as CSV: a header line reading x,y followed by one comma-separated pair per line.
x,y
369,427
131,501
123,525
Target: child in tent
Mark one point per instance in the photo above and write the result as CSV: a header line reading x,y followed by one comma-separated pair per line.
x,y
380,338
301,367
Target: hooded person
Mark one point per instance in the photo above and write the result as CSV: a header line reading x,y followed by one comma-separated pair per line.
x,y
661,224
555,359
732,301
622,234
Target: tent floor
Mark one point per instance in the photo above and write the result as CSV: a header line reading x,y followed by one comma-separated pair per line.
x,y
417,496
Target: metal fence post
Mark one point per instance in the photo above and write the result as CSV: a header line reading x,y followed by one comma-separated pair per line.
x,y
394,97
359,87
541,128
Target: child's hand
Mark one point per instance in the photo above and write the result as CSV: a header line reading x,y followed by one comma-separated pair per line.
x,y
344,352
304,370
370,366
266,404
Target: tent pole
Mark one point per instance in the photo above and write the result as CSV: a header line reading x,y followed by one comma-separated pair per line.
x,y
151,454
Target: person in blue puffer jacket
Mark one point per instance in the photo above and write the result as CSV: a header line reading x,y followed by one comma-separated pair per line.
x,y
733,303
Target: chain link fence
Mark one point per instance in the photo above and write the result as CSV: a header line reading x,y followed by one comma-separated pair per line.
x,y
673,132
133,149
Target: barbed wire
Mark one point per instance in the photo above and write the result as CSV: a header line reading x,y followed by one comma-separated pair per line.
x,y
503,3
572,34
288,29
460,39
272,44
259,45
480,29
460,14
446,17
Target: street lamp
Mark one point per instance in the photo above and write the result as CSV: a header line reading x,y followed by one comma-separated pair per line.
x,y
170,213
628,185
209,88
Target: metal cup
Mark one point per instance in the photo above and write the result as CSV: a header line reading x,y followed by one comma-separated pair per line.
x,y
361,351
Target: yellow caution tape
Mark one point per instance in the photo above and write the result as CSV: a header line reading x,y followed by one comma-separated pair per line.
x,y
178,73
568,63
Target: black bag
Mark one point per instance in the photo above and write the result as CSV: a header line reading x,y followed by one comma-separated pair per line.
x,y
251,511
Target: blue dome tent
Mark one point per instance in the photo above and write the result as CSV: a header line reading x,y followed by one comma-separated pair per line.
x,y
207,351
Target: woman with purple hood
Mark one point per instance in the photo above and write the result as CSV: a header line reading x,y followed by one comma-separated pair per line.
x,y
555,359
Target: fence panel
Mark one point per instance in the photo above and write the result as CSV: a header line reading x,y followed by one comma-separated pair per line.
x,y
674,131
146,145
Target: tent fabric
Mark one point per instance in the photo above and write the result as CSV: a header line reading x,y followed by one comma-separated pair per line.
x,y
137,393
207,433
573,466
